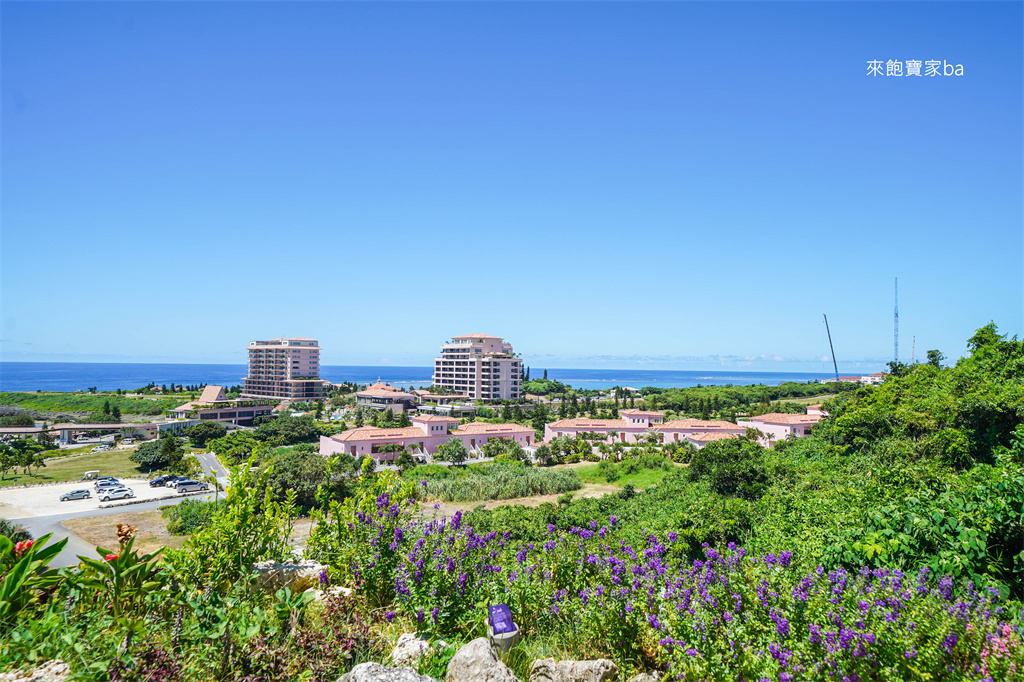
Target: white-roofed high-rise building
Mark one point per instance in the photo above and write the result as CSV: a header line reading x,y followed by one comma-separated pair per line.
x,y
287,369
480,367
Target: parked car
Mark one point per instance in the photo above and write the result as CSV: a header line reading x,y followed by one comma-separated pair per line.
x,y
173,480
75,495
116,494
160,481
107,485
189,486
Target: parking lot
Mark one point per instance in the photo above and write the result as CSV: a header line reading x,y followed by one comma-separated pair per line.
x,y
45,500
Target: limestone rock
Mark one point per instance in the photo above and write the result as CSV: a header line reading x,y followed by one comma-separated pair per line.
x,y
409,649
298,576
477,662
51,671
375,672
550,670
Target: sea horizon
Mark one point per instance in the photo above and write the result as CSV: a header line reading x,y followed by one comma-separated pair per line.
x,y
110,376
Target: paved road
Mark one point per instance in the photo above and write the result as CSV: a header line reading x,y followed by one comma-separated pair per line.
x,y
41,525
211,465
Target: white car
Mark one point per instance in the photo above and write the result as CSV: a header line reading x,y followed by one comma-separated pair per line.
x,y
116,494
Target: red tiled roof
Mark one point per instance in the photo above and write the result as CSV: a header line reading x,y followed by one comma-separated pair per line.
x,y
384,393
433,418
582,422
485,429
374,433
708,437
685,424
779,418
642,413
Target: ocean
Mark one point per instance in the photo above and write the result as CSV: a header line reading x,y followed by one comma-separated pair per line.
x,y
74,376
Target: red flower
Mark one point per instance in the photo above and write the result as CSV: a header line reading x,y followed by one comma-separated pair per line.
x,y
111,557
23,546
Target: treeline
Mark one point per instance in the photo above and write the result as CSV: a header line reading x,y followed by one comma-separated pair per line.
x,y
746,398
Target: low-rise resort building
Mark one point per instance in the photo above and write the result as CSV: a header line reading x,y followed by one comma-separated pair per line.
x,y
213,405
425,434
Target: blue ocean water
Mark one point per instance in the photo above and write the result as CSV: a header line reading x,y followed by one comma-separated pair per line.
x,y
74,376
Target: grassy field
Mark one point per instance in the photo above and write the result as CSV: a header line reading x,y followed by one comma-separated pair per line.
x,y
641,479
109,463
87,402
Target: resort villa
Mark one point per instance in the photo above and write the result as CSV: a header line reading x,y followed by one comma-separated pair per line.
x,y
776,426
213,405
480,367
425,434
383,397
286,369
635,424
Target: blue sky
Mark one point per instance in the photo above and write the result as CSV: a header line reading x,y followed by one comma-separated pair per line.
x,y
666,185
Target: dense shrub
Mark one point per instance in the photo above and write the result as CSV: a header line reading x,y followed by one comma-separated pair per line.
x,y
188,516
732,467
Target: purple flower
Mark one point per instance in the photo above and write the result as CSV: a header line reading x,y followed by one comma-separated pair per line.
x,y
389,616
612,520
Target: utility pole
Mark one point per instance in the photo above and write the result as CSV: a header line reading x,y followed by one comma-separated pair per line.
x,y
896,323
834,365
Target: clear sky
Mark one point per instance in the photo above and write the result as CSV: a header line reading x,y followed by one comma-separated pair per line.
x,y
668,185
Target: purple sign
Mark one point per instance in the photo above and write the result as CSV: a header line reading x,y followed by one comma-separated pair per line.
x,y
500,618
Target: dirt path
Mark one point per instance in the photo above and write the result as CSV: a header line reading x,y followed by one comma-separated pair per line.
x,y
101,531
449,508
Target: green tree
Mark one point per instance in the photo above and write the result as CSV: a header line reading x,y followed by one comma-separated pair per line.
x,y
733,468
935,358
236,447
299,471
288,430
200,434
405,461
8,459
452,450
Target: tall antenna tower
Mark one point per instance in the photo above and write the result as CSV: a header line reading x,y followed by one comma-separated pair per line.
x,y
896,323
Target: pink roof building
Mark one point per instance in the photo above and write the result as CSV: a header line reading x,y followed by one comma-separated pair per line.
x,y
636,424
778,426
426,433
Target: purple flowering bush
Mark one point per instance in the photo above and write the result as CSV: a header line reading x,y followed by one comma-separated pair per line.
x,y
726,616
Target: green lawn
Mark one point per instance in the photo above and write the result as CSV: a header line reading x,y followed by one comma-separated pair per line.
x,y
644,478
110,463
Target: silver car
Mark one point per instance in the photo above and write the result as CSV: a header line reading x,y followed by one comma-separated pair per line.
x,y
191,486
75,495
116,494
